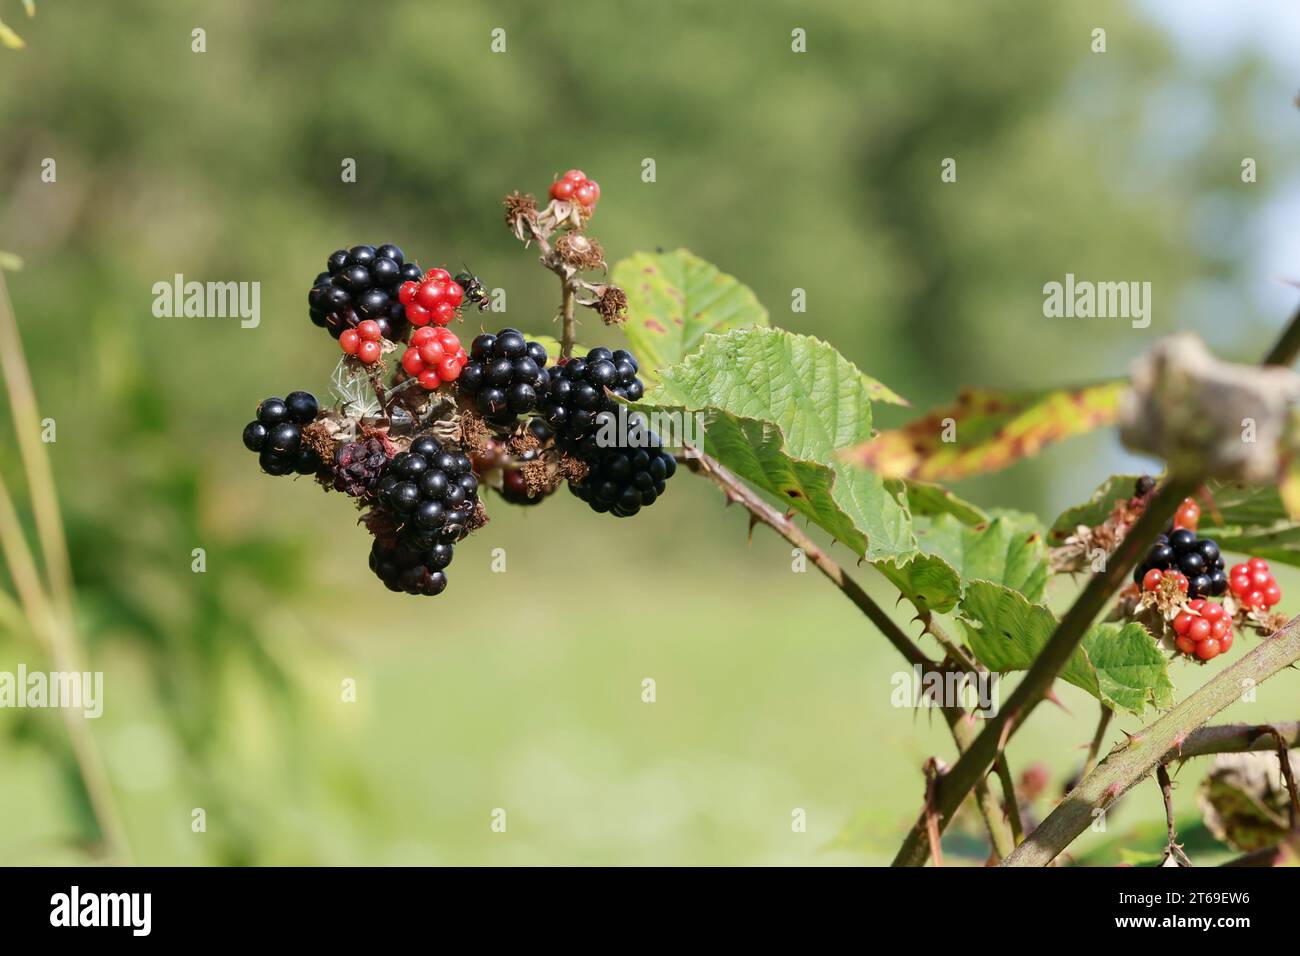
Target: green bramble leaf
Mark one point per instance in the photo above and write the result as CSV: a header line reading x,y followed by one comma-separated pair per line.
x,y
775,408
986,430
1251,519
1008,549
925,498
674,300
1096,509
1119,665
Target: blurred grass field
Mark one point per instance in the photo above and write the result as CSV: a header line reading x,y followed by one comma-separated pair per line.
x,y
523,690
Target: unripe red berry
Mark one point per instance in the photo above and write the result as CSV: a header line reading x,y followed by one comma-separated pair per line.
x,y
431,354
349,340
369,331
585,194
443,312
418,314
426,334
1151,580
449,369
411,361
406,292
429,379
368,352
562,190
1208,649
1200,629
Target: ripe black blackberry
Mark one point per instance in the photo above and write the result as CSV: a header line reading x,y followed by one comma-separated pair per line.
x,y
402,568
506,375
276,434
433,493
358,466
622,480
1197,558
578,390
361,283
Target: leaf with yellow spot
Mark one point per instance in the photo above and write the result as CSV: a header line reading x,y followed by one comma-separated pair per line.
x,y
986,430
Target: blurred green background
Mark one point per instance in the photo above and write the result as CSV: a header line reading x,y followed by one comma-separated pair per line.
x,y
522,690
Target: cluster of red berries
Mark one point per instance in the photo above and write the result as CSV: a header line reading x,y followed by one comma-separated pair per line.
x,y
434,356
574,186
1204,630
363,341
435,298
1253,584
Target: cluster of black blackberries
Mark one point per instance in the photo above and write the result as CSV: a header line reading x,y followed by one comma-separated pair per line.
x,y
361,283
433,494
1198,559
276,434
624,479
577,392
506,375
358,466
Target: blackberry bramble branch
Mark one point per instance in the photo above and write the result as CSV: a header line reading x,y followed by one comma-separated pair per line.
x,y
417,443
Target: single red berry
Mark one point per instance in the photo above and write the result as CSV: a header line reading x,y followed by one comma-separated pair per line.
x,y
595,189
418,314
1255,599
426,334
449,369
1225,642
1197,604
1182,622
1239,570
447,338
1220,627
1151,579
429,379
562,190
1272,595
1260,580
369,330
585,194
437,275
1240,585
1186,645
406,292
454,294
574,176
444,312
368,352
462,356
431,292
1257,564
1208,649
350,340
1214,612
431,354
1200,629
411,361
1188,516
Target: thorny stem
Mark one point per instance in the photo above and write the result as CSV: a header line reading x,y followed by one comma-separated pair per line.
x,y
1009,798
1098,737
1284,758
1172,737
1172,846
959,722
51,615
